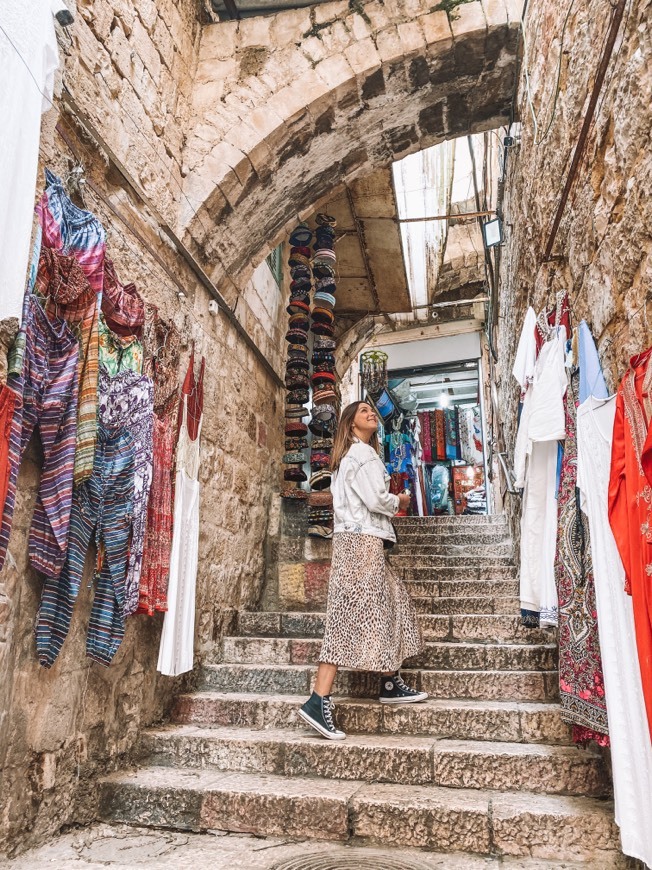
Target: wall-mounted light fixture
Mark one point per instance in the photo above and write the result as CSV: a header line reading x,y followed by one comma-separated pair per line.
x,y
492,232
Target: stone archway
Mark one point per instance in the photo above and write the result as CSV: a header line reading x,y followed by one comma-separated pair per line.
x,y
287,107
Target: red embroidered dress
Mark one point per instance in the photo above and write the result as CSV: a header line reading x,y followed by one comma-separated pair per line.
x,y
630,503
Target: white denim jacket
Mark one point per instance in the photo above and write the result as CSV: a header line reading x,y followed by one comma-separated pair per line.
x,y
362,503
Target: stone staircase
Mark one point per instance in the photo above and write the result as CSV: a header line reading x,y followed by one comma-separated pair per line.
x,y
484,767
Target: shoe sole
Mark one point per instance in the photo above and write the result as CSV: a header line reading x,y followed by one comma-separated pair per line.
x,y
423,696
319,728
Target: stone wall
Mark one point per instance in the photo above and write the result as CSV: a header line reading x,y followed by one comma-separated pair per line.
x,y
603,252
61,727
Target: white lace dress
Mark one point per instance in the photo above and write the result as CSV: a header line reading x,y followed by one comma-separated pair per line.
x,y
177,640
631,752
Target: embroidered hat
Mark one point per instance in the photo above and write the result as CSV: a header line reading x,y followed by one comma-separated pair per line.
x,y
299,260
325,395
294,459
317,460
304,250
301,235
323,412
295,493
297,381
324,219
326,284
326,256
298,363
296,336
299,305
295,428
324,299
322,376
298,351
299,272
323,270
298,396
320,532
296,412
320,479
323,499
322,315
299,321
295,444
323,427
295,473
322,328
324,343
300,285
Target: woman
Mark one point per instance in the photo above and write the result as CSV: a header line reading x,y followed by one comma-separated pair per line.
x,y
371,623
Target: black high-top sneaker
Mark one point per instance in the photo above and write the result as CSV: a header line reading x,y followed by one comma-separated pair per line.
x,y
394,691
318,713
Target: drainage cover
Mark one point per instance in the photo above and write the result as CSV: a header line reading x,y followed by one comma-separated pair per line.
x,y
338,861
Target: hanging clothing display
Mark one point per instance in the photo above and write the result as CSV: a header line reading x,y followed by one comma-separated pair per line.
x,y
161,360
452,434
8,403
48,387
177,640
541,426
631,749
134,395
28,61
630,503
72,231
526,352
122,305
101,511
592,381
581,684
118,354
439,423
551,319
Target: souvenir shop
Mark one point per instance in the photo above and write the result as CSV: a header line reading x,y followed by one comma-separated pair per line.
x,y
583,460
430,428
97,370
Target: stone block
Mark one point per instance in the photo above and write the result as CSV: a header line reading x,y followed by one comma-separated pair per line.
x,y
256,678
218,41
389,45
580,828
422,817
514,11
302,624
481,656
316,583
336,73
485,686
143,46
437,32
254,31
291,584
495,12
289,26
412,37
363,57
469,21
542,723
259,624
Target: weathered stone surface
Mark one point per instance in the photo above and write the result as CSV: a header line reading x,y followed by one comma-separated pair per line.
x,y
487,685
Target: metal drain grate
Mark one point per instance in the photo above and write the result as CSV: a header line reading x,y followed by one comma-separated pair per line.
x,y
338,861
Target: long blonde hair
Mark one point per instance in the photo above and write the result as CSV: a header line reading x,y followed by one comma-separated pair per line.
x,y
344,435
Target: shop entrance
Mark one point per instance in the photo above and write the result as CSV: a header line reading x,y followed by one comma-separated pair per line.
x,y
432,432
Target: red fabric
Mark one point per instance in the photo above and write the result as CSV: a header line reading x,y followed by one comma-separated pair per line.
x,y
424,436
8,401
558,315
194,390
440,432
630,503
122,305
154,578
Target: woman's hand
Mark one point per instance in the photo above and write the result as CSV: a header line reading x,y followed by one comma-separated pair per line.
x,y
404,501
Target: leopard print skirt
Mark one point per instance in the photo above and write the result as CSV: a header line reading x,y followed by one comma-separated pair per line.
x,y
371,623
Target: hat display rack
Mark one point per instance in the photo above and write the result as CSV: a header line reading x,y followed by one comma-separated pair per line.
x,y
297,370
325,392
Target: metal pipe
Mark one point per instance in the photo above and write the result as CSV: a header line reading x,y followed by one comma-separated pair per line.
x,y
588,120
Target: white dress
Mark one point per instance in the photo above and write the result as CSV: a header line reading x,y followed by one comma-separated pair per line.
x,y
28,60
631,752
177,640
541,427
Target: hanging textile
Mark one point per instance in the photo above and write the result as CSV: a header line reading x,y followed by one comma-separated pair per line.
x,y
468,450
28,61
549,320
135,394
177,640
162,357
440,432
526,353
630,503
118,354
592,381
48,387
426,439
9,401
452,437
581,684
541,426
122,306
71,231
631,750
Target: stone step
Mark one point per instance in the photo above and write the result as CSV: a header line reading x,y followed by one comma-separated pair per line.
x,y
456,820
464,588
458,522
444,560
486,605
454,684
512,721
469,573
489,552
396,758
439,655
452,628
480,536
